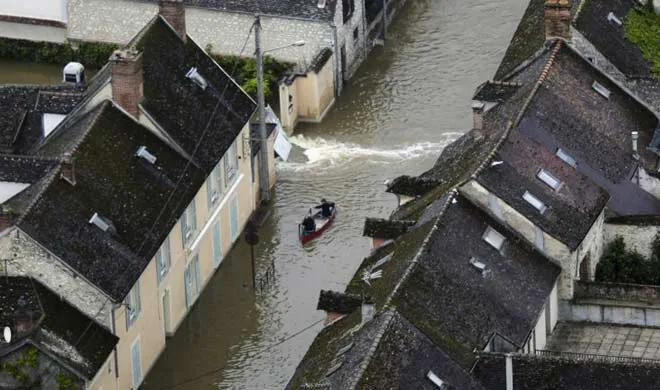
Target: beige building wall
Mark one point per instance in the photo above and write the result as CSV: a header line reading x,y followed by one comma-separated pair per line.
x,y
549,245
288,106
105,378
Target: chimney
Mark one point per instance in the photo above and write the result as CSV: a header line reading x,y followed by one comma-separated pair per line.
x,y
68,170
478,115
5,217
635,137
127,82
557,15
336,304
175,13
368,309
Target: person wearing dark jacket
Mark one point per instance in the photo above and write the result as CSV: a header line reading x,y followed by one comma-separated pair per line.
x,y
326,208
309,224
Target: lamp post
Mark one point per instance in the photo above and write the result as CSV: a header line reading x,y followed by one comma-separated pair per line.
x,y
264,180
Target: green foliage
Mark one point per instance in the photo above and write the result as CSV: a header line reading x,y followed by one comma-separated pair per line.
x,y
246,71
620,265
29,359
91,55
64,381
642,26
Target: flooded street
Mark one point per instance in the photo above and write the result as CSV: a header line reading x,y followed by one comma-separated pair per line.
x,y
405,104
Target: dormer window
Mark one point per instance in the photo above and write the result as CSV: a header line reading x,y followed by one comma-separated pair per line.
x,y
535,202
565,157
598,87
549,179
494,238
143,153
613,19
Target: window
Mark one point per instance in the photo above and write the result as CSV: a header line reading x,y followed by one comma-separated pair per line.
x,y
435,379
565,157
549,179
233,223
604,92
217,245
163,260
356,34
477,264
231,164
132,304
192,280
214,186
137,364
494,238
535,202
188,222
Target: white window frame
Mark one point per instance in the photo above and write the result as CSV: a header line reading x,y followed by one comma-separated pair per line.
x,y
231,163
535,202
189,222
133,305
137,381
494,238
549,179
163,259
214,184
565,157
601,89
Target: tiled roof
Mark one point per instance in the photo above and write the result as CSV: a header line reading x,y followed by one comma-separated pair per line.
x,y
182,108
113,182
609,37
62,330
495,91
24,169
385,228
301,9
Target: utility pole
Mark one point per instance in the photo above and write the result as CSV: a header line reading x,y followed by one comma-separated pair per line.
x,y
264,179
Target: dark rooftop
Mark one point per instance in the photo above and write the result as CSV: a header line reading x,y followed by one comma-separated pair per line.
x,y
24,169
302,9
181,107
334,302
609,38
120,187
385,228
532,372
60,329
495,91
460,307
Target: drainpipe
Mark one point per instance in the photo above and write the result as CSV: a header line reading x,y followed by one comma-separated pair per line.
x,y
509,372
337,63
114,331
365,31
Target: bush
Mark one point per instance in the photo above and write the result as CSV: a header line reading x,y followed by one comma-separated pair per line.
x,y
246,71
91,55
642,26
619,265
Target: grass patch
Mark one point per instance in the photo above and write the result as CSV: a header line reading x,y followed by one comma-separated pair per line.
x,y
642,27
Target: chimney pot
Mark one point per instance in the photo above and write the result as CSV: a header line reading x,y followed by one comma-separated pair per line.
x,y
478,115
557,15
68,170
175,13
127,80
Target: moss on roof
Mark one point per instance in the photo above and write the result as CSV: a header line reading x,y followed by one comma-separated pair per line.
x,y
643,29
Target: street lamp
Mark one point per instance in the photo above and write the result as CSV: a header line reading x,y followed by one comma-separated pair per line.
x,y
264,180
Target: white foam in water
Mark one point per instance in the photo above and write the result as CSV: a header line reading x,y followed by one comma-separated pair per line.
x,y
325,153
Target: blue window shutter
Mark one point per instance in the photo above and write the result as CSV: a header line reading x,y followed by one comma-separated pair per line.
x,y
217,245
193,216
188,286
234,219
159,256
209,190
198,276
137,365
138,300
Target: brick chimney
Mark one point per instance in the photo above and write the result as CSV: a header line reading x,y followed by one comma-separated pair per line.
x,y
557,15
68,170
175,13
127,81
478,115
337,304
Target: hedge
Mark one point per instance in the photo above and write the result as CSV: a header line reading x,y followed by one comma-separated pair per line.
x,y
246,71
91,55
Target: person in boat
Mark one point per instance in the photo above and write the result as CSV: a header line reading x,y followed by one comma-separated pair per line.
x,y
309,224
326,208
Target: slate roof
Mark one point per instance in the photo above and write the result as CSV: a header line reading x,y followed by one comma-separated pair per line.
x,y
24,169
609,38
532,372
113,182
571,209
495,91
62,330
385,228
182,108
300,9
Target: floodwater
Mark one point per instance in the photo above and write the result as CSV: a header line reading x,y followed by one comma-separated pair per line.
x,y
408,101
14,72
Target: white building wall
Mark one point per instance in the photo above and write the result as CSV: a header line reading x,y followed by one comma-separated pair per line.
x,y
554,309
540,332
35,9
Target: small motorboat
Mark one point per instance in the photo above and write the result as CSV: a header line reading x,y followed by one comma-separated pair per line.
x,y
322,223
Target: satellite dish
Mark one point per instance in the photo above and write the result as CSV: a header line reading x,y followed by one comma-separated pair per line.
x,y
7,334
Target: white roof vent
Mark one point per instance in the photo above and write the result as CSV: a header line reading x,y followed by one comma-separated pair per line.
x,y
549,179
494,238
74,72
321,4
535,202
604,92
565,157
197,78
436,380
612,18
102,223
143,153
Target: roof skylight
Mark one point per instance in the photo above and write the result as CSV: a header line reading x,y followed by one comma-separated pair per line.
x,y
143,153
477,264
535,202
604,92
565,157
102,223
345,349
494,238
612,18
334,368
549,179
435,379
197,78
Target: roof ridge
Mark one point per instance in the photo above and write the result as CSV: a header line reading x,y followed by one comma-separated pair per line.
x,y
511,124
96,116
389,315
505,83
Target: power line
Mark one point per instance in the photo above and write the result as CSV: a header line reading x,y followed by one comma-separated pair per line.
x,y
195,378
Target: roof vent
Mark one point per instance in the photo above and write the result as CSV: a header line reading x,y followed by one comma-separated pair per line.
x,y
143,153
321,4
612,18
479,266
604,92
73,72
102,223
494,238
197,78
334,368
436,380
496,163
549,179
